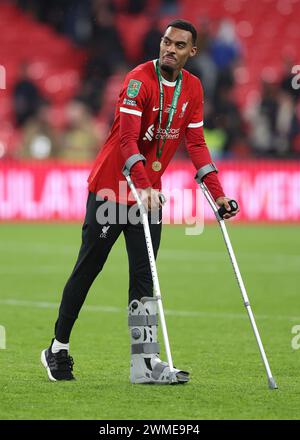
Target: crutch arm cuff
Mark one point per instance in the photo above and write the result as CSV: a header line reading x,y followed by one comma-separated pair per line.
x,y
203,171
132,160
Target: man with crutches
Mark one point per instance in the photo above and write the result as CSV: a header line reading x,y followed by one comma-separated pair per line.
x,y
159,105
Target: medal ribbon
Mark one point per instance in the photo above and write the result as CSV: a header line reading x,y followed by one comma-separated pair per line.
x,y
177,91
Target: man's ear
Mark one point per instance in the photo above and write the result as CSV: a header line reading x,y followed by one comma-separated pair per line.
x,y
193,51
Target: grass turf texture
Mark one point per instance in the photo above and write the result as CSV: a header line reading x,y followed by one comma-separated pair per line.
x,y
208,327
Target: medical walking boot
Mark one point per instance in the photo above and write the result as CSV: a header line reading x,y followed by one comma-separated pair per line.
x,y
145,365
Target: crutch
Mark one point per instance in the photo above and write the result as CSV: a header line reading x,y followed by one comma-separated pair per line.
x,y
144,215
219,213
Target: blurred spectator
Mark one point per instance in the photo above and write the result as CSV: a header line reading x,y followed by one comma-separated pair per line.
x,y
80,140
295,131
71,17
105,39
215,139
223,124
225,48
152,41
282,134
271,121
135,6
227,117
169,7
202,64
77,21
262,117
53,12
110,94
226,51
39,140
26,97
288,79
105,53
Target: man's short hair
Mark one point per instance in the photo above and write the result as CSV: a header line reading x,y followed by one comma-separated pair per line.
x,y
186,26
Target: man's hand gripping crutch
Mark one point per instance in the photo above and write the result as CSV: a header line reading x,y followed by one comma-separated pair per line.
x,y
146,366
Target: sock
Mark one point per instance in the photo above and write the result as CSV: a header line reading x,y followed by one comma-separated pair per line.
x,y
63,328
57,346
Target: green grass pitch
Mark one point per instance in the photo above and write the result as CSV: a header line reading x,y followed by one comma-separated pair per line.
x,y
208,327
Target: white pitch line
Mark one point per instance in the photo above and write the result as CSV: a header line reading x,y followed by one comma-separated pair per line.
x,y
221,255
206,267
165,253
47,269
179,313
51,305
39,248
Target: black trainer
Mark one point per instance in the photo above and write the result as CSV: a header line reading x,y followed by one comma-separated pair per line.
x,y
59,365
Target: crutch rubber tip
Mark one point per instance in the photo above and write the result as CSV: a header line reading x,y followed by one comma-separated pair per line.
x,y
272,384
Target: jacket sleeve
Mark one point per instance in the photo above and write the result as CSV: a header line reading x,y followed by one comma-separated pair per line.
x,y
131,104
197,148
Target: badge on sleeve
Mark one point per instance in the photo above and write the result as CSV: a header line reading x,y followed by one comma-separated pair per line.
x,y
133,88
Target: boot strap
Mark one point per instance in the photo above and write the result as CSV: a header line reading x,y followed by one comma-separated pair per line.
x,y
145,348
142,320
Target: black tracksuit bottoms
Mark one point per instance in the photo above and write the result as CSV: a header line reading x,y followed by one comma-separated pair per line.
x,y
98,237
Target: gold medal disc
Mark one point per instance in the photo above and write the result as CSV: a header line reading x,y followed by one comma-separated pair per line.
x,y
156,165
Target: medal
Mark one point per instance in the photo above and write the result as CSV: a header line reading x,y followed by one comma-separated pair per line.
x,y
156,165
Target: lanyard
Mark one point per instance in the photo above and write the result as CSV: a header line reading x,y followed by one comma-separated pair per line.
x,y
177,91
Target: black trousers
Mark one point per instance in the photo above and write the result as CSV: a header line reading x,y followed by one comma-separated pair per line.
x,y
100,230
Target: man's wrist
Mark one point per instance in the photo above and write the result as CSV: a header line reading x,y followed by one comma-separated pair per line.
x,y
219,197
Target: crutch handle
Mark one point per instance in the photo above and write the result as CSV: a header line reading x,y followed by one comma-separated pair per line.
x,y
233,205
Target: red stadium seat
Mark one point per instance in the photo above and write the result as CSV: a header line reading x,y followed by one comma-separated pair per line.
x,y
55,63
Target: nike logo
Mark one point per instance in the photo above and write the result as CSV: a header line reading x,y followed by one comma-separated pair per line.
x,y
155,109
159,221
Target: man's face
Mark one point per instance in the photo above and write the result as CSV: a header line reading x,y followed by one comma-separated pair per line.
x,y
175,48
